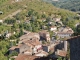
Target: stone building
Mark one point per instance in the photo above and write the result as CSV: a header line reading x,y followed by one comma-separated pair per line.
x,y
28,47
65,32
45,35
74,48
21,48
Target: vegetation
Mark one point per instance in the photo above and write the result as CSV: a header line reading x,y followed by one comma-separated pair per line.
x,y
35,15
73,5
61,58
4,46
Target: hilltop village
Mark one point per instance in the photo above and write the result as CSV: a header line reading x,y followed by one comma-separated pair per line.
x,y
36,30
46,38
51,41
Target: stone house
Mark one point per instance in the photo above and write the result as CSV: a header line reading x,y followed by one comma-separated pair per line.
x,y
61,53
50,47
63,35
28,47
53,28
56,19
35,45
21,48
25,57
29,36
45,35
42,54
65,32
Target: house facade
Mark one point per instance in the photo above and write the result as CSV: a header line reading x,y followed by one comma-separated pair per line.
x,y
65,32
49,47
64,35
28,47
29,36
21,48
53,28
45,34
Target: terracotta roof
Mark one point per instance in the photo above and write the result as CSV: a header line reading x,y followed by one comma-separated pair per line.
x,y
70,31
41,54
53,27
74,38
43,32
61,53
29,35
64,33
66,30
32,42
14,47
28,57
25,57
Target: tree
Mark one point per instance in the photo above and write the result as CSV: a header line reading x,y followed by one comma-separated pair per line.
x,y
51,33
59,58
30,12
10,21
78,29
48,19
2,57
21,32
43,16
33,19
12,37
14,53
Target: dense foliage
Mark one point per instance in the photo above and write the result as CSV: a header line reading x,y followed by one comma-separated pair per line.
x,y
73,5
4,45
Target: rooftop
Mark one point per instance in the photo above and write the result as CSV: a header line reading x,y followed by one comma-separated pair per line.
x,y
29,57
65,30
14,47
29,35
32,42
61,53
25,57
44,31
53,27
41,54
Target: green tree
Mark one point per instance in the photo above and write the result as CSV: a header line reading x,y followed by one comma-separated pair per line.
x,y
78,29
14,53
43,16
2,57
30,12
21,32
10,21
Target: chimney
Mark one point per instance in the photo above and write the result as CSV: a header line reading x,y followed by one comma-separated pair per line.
x,y
65,45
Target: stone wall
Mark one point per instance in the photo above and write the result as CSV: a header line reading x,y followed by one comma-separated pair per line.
x,y
74,48
24,48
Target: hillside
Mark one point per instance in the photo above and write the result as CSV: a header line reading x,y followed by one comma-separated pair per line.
x,y
8,7
26,9
18,16
73,5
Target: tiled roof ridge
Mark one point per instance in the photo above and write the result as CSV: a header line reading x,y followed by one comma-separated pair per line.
x,y
73,37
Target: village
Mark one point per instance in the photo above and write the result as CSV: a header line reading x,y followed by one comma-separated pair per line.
x,y
41,44
36,37
39,30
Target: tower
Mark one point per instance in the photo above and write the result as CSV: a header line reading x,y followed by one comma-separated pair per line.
x,y
74,48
